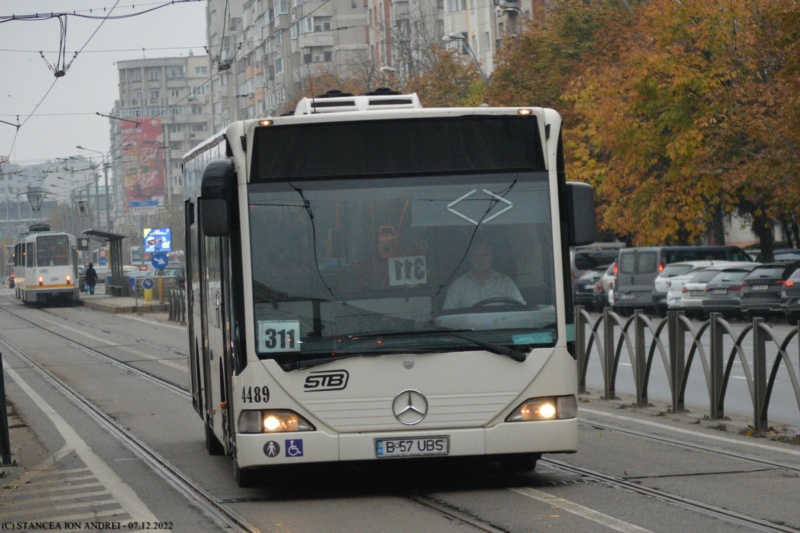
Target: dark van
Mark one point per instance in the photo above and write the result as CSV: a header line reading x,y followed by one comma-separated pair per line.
x,y
638,268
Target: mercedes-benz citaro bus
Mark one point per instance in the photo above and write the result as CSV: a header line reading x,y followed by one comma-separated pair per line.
x,y
371,280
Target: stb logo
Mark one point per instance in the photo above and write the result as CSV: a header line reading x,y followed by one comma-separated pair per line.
x,y
326,380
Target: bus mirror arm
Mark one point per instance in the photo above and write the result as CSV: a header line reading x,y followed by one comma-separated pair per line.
x,y
580,214
214,217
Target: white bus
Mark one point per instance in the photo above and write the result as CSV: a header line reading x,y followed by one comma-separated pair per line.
x,y
338,309
45,266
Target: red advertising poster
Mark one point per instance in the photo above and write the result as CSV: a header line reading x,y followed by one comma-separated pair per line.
x,y
143,166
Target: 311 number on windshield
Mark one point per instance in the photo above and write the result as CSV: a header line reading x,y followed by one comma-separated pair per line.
x,y
410,270
278,336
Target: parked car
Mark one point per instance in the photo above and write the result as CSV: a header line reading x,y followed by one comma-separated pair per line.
x,y
790,297
10,281
783,254
724,291
675,291
661,283
175,271
694,290
584,287
638,268
761,294
604,287
591,257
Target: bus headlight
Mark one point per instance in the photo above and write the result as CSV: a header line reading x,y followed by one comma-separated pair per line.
x,y
272,421
546,408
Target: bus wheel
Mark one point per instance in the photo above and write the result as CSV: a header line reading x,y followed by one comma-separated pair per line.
x,y
523,462
213,445
245,478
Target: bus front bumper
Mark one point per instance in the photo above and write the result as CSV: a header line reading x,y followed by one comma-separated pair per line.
x,y
258,450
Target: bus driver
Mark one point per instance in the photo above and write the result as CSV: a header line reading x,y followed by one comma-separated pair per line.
x,y
482,282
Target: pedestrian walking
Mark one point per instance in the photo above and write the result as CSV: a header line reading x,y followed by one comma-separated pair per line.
x,y
91,278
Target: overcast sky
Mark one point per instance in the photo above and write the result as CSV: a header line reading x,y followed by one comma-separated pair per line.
x,y
55,122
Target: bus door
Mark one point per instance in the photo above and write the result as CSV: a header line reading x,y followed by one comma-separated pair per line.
x,y
216,363
193,310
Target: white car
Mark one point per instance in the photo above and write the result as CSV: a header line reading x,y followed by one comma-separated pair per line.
x,y
675,291
604,286
672,270
693,291
679,294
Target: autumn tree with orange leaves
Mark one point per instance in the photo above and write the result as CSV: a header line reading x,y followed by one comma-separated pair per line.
x,y
679,113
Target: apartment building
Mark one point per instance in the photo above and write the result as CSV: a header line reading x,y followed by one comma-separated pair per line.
x,y
163,110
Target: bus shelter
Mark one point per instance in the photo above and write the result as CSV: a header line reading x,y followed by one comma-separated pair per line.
x,y
114,283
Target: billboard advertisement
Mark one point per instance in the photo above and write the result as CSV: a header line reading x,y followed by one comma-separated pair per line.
x,y
143,166
157,240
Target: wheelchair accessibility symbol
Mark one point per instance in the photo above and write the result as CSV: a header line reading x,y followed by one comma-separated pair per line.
x,y
294,448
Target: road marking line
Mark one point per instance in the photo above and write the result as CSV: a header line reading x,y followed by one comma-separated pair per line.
x,y
125,496
694,433
579,510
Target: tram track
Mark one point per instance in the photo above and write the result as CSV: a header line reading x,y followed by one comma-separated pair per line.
x,y
191,490
120,335
218,508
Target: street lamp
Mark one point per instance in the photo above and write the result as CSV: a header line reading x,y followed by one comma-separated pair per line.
x,y
456,36
96,191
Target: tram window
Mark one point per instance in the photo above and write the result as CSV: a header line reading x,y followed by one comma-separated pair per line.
x,y
29,253
52,250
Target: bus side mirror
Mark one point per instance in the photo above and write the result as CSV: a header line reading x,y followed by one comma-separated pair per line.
x,y
214,217
580,214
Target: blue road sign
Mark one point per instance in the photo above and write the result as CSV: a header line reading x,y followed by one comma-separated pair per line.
x,y
102,261
133,284
147,283
159,260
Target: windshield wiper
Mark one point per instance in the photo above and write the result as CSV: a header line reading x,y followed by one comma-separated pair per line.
x,y
516,355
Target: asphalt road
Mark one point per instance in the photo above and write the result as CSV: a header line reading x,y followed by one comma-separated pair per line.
x,y
74,468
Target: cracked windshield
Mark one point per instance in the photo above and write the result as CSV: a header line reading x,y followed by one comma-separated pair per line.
x,y
426,264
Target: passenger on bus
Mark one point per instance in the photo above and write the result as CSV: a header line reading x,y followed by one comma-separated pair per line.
x,y
482,282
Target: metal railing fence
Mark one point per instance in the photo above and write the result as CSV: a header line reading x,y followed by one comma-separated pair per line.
x,y
177,305
639,336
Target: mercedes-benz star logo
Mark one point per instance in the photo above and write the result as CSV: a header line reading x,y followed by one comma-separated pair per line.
x,y
410,407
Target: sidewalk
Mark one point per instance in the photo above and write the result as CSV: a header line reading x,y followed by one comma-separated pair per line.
x,y
122,304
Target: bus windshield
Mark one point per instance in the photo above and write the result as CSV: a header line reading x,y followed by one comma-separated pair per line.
x,y
373,266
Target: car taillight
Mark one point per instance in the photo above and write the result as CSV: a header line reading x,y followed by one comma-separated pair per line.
x,y
616,269
788,283
684,289
661,267
736,287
